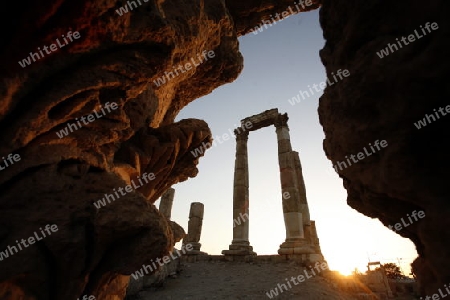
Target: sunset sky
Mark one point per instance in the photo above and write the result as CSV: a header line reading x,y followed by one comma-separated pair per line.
x,y
279,62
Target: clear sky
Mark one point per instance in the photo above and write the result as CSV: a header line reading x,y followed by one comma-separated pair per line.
x,y
279,62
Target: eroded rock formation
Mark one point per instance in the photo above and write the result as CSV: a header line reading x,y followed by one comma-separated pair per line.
x,y
118,58
106,59
381,100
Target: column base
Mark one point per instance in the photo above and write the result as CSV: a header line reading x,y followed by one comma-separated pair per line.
x,y
297,246
195,246
195,249
305,250
240,249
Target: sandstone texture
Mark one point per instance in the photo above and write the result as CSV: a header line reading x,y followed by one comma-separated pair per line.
x,y
116,59
154,280
381,100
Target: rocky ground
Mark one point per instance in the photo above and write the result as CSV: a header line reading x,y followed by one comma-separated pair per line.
x,y
234,280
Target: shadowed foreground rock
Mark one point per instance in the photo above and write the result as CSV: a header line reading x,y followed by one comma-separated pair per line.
x,y
117,58
114,61
381,100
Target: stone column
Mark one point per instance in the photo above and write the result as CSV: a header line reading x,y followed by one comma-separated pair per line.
x,y
165,206
292,209
304,209
315,238
194,228
317,256
302,190
240,244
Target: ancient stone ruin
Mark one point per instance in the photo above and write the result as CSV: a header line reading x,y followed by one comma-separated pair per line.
x,y
115,59
195,228
165,205
377,281
195,221
301,241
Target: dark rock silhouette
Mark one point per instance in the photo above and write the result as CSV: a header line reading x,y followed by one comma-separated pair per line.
x,y
118,59
381,100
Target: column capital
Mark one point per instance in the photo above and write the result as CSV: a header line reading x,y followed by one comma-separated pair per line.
x,y
281,121
241,134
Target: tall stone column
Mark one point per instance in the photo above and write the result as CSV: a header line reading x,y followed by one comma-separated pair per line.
x,y
165,206
315,238
302,190
195,228
240,244
292,207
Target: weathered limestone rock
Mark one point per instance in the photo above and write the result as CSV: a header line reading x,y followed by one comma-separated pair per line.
x,y
381,100
118,58
156,279
177,231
